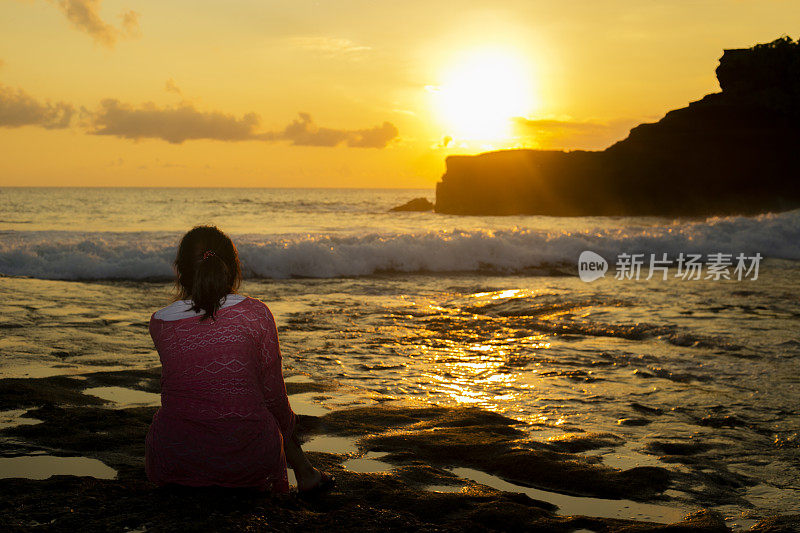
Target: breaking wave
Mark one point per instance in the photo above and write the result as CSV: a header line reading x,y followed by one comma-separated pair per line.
x,y
148,255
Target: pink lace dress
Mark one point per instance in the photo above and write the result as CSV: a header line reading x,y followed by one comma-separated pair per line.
x,y
224,410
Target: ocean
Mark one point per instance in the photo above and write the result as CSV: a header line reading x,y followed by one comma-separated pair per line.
x,y
699,376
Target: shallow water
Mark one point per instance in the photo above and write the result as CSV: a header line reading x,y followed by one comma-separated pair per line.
x,y
123,397
331,444
573,505
370,462
14,417
367,463
45,466
304,404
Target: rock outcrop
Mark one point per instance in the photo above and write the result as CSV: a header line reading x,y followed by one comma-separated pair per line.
x,y
733,152
417,204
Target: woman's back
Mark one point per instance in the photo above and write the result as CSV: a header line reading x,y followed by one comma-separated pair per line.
x,y
216,368
224,405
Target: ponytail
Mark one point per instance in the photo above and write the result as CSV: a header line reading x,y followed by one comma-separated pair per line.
x,y
208,269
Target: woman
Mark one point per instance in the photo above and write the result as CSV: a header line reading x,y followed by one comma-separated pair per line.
x,y
225,418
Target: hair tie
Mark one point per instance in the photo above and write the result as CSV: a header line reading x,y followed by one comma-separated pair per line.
x,y
207,254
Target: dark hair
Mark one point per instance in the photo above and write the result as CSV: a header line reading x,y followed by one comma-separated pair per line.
x,y
208,269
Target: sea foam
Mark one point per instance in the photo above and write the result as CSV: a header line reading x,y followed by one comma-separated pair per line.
x,y
149,255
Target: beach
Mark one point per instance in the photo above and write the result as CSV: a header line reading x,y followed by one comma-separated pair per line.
x,y
452,372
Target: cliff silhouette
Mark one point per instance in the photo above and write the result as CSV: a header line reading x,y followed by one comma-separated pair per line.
x,y
732,152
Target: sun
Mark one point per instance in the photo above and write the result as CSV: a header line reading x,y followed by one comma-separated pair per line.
x,y
481,92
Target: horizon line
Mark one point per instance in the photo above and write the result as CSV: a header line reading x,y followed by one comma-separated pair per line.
x,y
201,187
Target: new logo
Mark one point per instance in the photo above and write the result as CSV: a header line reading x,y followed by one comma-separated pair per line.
x,y
591,266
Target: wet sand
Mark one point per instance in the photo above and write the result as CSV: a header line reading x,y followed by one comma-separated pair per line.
x,y
399,466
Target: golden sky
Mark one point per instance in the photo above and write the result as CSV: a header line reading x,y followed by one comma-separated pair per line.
x,y
344,93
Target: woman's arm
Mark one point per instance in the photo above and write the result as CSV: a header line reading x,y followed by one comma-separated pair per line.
x,y
274,387
307,476
278,404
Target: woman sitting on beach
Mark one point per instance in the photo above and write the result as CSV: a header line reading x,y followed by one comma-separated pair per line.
x,y
225,418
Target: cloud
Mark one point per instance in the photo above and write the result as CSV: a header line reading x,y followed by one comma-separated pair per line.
x,y
179,123
303,132
130,24
184,122
172,87
17,108
377,137
172,124
84,15
331,46
573,134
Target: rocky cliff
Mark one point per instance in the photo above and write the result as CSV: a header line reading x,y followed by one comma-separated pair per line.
x,y
732,152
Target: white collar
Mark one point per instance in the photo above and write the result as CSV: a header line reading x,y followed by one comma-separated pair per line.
x,y
183,308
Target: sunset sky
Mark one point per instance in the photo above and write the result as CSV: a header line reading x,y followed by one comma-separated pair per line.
x,y
346,93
